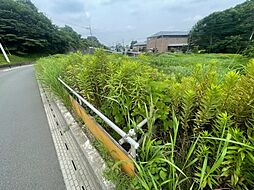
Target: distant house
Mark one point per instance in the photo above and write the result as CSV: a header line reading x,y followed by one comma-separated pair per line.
x,y
165,41
139,47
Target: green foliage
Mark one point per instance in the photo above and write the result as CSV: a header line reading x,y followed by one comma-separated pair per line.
x,y
133,43
249,51
24,30
209,106
231,166
158,166
199,133
92,41
113,170
20,59
227,31
47,72
181,65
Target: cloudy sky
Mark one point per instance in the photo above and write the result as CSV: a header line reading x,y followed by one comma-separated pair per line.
x,y
118,21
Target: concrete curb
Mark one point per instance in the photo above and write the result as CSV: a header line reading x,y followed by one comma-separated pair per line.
x,y
86,155
92,155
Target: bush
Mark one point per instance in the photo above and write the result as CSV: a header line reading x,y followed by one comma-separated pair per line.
x,y
200,126
249,52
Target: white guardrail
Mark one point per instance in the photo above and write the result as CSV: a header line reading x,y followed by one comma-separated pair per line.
x,y
126,137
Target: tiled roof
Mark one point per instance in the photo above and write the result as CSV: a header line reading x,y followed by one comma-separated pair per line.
x,y
140,44
170,33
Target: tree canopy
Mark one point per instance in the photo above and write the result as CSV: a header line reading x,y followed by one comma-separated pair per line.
x,y
23,29
227,31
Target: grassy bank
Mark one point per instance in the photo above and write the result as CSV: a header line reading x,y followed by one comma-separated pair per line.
x,y
20,59
200,130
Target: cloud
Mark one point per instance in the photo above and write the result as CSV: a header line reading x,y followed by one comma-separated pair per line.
x,y
194,18
68,7
88,14
115,20
111,2
130,27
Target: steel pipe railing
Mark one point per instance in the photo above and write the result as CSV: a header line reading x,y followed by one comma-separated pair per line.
x,y
124,135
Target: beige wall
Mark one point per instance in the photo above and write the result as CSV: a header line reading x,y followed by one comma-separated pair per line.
x,y
162,43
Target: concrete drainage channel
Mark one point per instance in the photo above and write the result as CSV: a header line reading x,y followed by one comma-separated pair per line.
x,y
81,164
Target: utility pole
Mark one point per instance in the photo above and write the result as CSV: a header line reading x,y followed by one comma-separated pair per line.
x,y
90,29
189,40
5,55
123,46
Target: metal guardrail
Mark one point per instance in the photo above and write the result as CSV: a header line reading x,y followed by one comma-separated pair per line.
x,y
125,137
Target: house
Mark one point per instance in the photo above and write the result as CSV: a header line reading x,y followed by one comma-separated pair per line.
x,y
139,47
165,41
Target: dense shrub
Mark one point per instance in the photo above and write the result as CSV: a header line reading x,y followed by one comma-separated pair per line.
x,y
249,51
200,126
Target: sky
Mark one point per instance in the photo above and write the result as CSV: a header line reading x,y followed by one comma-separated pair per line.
x,y
120,21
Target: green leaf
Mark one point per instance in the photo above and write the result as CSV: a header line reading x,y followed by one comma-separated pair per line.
x,y
163,175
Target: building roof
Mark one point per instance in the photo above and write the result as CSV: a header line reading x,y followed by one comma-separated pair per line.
x,y
170,33
140,44
177,45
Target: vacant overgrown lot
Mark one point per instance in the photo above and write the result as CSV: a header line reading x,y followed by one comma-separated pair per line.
x,y
200,130
183,64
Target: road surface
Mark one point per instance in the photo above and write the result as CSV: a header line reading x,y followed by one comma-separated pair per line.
x,y
28,158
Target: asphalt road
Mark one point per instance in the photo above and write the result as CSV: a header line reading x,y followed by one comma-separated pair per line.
x,y
28,158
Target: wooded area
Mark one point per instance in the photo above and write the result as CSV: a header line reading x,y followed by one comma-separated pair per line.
x,y
227,31
23,30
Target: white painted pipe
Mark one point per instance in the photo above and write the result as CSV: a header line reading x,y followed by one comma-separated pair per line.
x,y
5,55
103,117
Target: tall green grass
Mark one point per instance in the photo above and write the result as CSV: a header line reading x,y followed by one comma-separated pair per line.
x,y
48,70
183,64
20,59
200,123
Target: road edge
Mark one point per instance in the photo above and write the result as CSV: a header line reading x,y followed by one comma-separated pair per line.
x,y
95,163
9,66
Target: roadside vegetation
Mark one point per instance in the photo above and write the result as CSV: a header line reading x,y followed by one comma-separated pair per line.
x,y
180,64
200,130
20,59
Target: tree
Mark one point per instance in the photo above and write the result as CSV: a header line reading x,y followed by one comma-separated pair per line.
x,y
73,38
132,43
24,29
226,31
